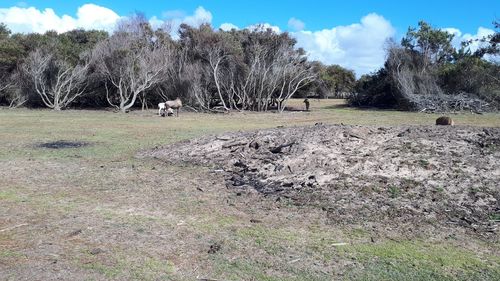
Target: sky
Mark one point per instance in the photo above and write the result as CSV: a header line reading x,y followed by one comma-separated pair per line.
x,y
349,33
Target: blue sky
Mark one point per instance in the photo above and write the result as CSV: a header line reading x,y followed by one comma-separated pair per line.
x,y
464,15
331,31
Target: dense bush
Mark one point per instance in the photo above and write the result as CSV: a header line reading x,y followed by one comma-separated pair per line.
x,y
426,73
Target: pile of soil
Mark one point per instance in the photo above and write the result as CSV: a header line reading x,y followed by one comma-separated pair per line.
x,y
408,174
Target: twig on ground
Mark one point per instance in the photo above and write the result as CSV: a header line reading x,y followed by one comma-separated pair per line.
x,y
13,227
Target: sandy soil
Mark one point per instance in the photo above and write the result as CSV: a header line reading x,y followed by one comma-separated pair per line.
x,y
408,179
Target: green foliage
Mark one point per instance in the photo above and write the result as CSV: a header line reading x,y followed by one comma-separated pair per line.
x,y
332,81
4,31
471,74
374,90
394,191
73,43
434,44
338,79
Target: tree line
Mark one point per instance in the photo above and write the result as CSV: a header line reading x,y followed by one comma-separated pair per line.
x,y
425,72
139,66
258,69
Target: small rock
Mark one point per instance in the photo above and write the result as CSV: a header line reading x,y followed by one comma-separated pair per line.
x,y
237,180
75,233
214,248
254,145
96,251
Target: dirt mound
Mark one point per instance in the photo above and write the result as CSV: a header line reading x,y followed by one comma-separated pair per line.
x,y
418,174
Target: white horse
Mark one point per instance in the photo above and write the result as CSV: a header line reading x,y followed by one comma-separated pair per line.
x,y
161,108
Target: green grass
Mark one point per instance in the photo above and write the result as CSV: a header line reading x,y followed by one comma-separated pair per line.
x,y
244,269
495,217
9,195
394,191
147,269
417,260
6,254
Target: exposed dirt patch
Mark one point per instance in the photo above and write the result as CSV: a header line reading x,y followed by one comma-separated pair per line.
x,y
417,175
61,144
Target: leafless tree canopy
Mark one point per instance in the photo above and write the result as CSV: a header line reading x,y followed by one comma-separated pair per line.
x,y
242,70
56,81
131,61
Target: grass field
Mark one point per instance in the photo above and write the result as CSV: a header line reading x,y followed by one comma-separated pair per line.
x,y
98,212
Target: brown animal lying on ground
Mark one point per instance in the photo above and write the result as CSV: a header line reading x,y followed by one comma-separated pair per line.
x,y
174,104
444,120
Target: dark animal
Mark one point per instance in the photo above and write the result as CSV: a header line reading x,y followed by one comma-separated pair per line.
x,y
444,120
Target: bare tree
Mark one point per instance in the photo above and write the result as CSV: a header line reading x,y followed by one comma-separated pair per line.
x,y
200,87
5,83
294,74
244,70
215,58
253,89
56,81
132,63
272,76
10,92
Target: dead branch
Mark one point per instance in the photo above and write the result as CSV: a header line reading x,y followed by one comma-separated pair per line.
x,y
278,149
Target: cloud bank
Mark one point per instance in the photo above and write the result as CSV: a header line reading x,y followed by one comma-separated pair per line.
x,y
359,46
30,19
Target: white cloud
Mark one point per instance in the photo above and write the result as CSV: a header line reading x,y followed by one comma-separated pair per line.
x,y
296,24
228,26
459,37
89,16
156,22
173,19
200,17
174,14
264,27
475,44
358,46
